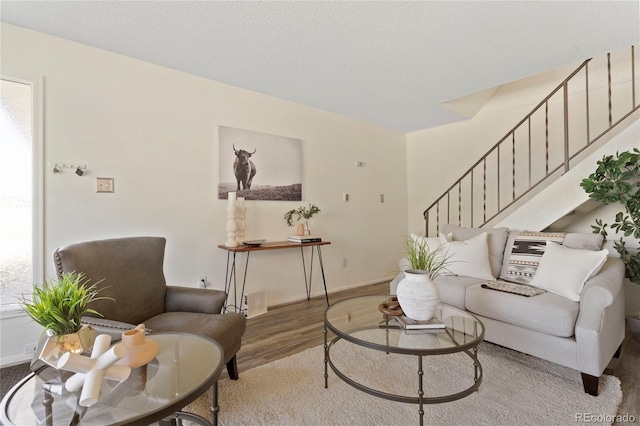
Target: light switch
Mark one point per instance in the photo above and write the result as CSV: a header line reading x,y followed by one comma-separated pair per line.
x,y
104,184
382,198
345,197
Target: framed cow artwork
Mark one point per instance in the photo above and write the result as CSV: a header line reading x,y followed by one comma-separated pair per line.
x,y
259,166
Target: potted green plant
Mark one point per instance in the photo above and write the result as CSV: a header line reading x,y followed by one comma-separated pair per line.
x,y
617,180
417,294
302,212
424,259
58,306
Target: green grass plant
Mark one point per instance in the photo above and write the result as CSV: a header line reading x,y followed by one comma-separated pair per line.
x,y
422,258
59,304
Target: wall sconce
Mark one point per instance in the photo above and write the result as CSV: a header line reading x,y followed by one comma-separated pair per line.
x,y
58,166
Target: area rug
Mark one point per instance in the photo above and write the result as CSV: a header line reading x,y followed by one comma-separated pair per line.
x,y
516,389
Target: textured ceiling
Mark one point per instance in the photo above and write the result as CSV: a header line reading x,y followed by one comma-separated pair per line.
x,y
387,63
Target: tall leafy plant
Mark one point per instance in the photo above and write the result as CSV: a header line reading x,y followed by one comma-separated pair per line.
x,y
617,180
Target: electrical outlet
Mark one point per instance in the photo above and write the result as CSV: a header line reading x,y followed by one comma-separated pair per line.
x,y
30,348
202,282
344,262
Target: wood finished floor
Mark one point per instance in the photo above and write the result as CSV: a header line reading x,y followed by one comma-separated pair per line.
x,y
288,329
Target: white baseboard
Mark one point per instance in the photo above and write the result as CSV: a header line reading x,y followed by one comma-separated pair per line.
x,y
333,290
10,361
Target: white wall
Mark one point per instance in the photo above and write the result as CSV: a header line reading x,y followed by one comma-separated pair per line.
x,y
154,130
437,157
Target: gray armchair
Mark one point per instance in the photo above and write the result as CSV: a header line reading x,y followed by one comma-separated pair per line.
x,y
132,274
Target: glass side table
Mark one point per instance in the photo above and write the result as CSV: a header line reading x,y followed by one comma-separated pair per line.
x,y
358,321
186,367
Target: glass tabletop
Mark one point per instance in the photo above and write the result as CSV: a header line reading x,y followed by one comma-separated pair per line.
x,y
185,367
359,321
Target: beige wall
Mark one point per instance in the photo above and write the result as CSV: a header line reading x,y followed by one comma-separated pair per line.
x,y
154,130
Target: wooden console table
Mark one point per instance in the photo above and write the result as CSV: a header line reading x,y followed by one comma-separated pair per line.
x,y
230,274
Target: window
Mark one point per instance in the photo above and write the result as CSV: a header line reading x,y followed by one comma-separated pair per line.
x,y
21,237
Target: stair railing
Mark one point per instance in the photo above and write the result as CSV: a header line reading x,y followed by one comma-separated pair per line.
x,y
433,215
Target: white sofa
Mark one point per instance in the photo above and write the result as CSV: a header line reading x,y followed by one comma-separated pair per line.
x,y
583,335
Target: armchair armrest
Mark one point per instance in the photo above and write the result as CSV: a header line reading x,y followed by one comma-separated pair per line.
x,y
191,299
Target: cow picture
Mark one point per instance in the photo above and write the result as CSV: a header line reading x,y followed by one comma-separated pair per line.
x,y
259,166
243,168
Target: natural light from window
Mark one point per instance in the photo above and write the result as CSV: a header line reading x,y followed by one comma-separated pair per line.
x,y
16,191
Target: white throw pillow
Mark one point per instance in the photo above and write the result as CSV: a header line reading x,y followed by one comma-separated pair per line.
x,y
564,270
432,242
469,258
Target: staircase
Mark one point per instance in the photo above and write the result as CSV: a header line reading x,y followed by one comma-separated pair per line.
x,y
595,111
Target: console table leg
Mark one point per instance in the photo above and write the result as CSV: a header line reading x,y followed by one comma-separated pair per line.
x,y
307,284
244,282
326,295
227,283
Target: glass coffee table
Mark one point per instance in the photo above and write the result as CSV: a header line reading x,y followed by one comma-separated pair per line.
x,y
359,322
186,366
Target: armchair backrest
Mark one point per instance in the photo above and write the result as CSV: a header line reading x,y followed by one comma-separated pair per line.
x,y
132,270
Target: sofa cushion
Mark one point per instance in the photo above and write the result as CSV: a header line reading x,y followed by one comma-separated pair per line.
x,y
432,243
496,240
584,241
523,253
524,250
453,289
226,329
547,313
469,258
564,270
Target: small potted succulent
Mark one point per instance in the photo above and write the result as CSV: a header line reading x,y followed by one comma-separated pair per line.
x,y
301,212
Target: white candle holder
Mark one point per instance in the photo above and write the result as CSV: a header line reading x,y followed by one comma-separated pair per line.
x,y
241,224
231,221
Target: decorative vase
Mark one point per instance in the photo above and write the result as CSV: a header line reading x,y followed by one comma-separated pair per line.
x,y
307,231
300,229
418,295
52,347
139,349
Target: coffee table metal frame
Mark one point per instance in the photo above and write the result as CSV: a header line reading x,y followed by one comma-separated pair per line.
x,y
469,348
168,412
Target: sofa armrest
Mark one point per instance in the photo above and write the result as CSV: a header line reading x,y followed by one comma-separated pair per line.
x,y
404,264
191,299
600,323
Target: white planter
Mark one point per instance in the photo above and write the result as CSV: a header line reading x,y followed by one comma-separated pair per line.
x,y
418,295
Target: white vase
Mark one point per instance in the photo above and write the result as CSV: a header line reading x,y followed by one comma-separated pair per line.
x,y
418,295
